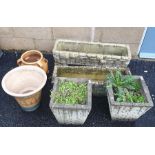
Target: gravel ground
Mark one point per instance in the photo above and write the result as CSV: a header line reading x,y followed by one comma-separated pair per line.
x,y
11,114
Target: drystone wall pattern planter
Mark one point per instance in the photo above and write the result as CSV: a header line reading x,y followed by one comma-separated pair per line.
x,y
25,84
72,114
107,55
129,111
97,75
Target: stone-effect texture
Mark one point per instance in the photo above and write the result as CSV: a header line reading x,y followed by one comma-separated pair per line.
x,y
72,114
129,111
91,54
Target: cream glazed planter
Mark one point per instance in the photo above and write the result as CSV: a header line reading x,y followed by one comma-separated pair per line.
x,y
129,111
106,55
25,83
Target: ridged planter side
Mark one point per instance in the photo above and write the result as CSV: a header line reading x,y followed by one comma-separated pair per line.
x,y
107,55
97,75
72,114
129,111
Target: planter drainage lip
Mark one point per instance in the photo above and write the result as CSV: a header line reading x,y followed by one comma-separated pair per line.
x,y
86,106
146,93
27,67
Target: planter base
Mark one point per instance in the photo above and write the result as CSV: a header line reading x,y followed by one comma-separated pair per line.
x,y
65,116
31,108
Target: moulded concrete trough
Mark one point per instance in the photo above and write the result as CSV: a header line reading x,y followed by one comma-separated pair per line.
x,y
106,55
97,75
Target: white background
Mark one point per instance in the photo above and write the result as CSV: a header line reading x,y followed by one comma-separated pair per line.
x,y
77,141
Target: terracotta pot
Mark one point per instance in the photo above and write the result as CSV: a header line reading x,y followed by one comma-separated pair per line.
x,y
33,57
25,84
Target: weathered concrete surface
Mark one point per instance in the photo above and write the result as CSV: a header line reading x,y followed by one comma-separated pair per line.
x,y
91,54
72,114
129,111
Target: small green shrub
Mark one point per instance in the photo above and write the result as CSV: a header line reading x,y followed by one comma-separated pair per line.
x,y
126,88
70,92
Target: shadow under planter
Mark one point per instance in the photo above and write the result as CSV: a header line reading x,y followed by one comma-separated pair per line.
x,y
72,114
129,111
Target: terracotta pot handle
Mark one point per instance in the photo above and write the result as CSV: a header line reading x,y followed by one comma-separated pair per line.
x,y
40,64
45,60
19,61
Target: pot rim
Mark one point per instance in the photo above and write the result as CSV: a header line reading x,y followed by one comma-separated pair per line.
x,y
22,56
29,67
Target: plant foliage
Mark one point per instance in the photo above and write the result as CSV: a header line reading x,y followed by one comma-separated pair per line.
x,y
70,92
126,88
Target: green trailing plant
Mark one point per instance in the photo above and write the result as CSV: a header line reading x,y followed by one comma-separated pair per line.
x,y
126,88
70,92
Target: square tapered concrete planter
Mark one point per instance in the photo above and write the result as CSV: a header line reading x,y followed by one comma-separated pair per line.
x,y
129,111
72,114
106,55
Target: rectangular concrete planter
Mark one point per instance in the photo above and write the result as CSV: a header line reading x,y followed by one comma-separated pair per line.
x,y
72,114
106,55
97,75
129,111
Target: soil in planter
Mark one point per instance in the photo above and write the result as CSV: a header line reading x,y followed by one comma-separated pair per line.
x,y
70,92
93,74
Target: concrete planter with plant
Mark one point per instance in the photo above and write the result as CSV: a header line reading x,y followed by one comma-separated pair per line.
x,y
128,96
71,100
